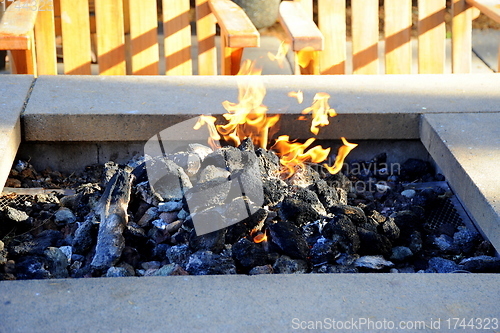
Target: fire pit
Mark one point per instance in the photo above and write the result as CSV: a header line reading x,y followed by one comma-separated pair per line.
x,y
368,110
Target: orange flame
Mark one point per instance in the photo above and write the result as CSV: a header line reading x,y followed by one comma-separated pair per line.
x,y
341,155
214,137
258,236
320,111
299,95
305,56
279,57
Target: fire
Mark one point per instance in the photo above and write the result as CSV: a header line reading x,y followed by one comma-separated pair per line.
x,y
248,119
320,111
299,95
258,236
341,155
305,56
279,57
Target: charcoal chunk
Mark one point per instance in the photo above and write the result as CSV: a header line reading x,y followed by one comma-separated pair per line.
x,y
342,226
301,207
208,263
372,243
481,264
286,265
355,214
213,241
326,194
289,240
249,254
324,251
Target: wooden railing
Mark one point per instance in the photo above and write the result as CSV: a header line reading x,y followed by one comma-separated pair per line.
x,y
365,39
122,36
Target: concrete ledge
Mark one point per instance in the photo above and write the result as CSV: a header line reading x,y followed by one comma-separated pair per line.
x,y
467,148
244,303
13,93
83,108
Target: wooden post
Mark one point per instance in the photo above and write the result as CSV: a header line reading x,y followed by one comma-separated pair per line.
x,y
177,31
431,36
46,40
398,24
143,37
205,32
365,36
332,24
110,37
461,37
75,27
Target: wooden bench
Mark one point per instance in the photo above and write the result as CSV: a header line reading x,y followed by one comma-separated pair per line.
x,y
327,41
125,36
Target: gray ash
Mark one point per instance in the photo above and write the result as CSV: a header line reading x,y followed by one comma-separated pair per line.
x,y
369,218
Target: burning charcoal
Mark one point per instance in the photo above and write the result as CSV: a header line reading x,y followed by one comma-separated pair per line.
x,y
170,270
269,163
208,263
118,272
324,251
57,263
301,207
179,254
32,267
289,240
326,194
481,264
249,254
149,215
213,241
355,214
401,253
373,262
372,243
342,226
84,237
441,265
286,265
246,145
64,216
414,168
304,177
258,270
274,191
466,239
243,228
170,180
114,218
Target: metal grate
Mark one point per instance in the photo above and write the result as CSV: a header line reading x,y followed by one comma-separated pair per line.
x,y
445,212
14,199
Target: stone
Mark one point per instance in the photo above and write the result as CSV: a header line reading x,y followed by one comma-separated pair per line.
x,y
149,215
170,270
324,251
481,264
301,206
408,193
373,262
118,272
32,267
68,252
466,239
179,254
17,216
343,227
400,253
208,263
64,215
445,243
169,206
258,270
287,265
168,179
84,237
57,262
441,265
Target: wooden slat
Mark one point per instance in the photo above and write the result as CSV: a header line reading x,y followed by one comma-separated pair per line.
x,y
46,40
332,24
365,36
110,37
461,37
143,35
300,29
16,27
397,24
490,8
76,36
177,29
307,5
235,24
431,36
205,33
